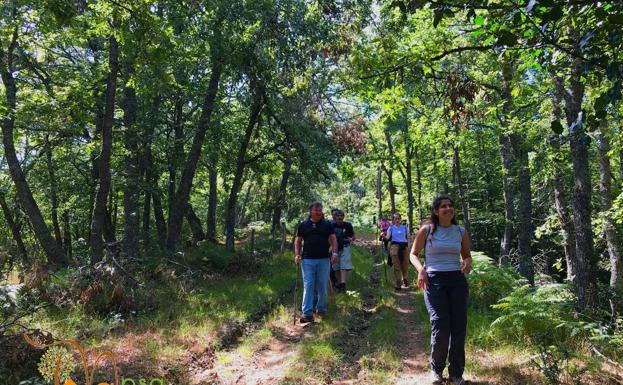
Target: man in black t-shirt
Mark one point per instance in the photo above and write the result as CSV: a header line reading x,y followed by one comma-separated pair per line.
x,y
317,237
344,234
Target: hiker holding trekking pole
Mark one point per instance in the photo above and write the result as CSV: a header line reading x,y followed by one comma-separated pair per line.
x,y
397,233
316,235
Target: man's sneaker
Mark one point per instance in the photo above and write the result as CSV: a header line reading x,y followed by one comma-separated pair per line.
x,y
436,378
321,314
306,319
405,283
397,288
458,380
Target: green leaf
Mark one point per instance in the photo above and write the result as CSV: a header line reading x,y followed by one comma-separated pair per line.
x,y
479,20
557,127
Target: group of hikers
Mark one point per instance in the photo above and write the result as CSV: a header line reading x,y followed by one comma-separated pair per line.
x,y
323,248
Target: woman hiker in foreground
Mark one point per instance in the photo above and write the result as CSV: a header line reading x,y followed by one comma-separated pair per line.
x,y
445,287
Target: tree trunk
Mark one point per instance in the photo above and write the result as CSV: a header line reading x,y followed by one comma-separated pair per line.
x,y
281,196
390,172
53,250
579,142
506,155
183,191
459,181
212,202
131,188
245,201
613,240
176,151
526,230
418,176
379,193
17,235
409,182
147,195
195,224
161,224
99,208
230,210
561,200
53,191
67,234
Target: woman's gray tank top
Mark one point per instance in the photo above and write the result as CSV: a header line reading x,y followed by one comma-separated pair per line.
x,y
443,248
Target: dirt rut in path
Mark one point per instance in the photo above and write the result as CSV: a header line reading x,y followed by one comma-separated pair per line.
x,y
266,363
412,346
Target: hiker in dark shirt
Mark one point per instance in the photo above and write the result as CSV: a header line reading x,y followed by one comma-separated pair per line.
x,y
316,236
345,235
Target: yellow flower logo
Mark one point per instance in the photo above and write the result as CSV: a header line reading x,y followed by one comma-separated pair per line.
x,y
56,362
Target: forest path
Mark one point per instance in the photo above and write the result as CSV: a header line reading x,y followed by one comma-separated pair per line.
x,y
412,347
271,353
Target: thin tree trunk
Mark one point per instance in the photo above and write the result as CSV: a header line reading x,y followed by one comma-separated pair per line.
x,y
53,191
526,229
183,192
161,224
67,234
390,172
99,208
131,191
110,225
506,155
418,176
579,142
17,235
245,201
195,224
561,200
212,202
613,240
53,250
409,182
281,196
230,211
379,193
177,150
147,196
459,181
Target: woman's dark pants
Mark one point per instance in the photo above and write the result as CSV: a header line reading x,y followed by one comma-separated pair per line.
x,y
446,301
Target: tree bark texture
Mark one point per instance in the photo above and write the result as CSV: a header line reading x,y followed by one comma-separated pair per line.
x,y
613,239
98,221
17,235
195,224
230,210
183,191
561,199
281,196
131,188
54,252
212,202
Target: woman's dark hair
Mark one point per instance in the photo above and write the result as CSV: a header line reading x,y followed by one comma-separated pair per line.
x,y
436,203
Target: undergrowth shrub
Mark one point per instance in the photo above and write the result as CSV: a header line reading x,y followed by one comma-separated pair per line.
x,y
543,318
489,283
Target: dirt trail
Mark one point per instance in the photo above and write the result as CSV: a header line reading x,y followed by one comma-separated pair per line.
x,y
414,357
268,364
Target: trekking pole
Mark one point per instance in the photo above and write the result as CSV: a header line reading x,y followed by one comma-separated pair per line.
x,y
378,247
296,295
296,287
